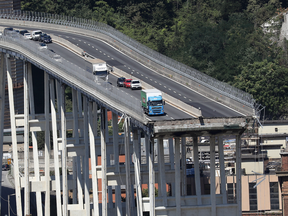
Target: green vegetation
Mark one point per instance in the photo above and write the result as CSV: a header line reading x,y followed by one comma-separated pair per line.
x,y
222,38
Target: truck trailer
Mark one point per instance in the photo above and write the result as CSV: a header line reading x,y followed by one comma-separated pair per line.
x,y
97,67
152,102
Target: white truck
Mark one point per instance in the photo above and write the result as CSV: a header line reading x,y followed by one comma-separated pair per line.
x,y
97,67
36,35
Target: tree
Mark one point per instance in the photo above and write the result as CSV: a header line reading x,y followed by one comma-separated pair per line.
x,y
268,83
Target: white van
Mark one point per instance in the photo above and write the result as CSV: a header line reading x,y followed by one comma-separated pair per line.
x,y
36,35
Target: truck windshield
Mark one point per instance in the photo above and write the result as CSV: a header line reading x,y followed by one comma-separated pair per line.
x,y
100,73
156,103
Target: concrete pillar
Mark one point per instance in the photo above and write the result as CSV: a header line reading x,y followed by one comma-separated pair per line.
x,y
115,141
238,175
110,197
197,170
137,171
86,157
75,116
104,137
222,170
127,167
177,176
55,148
79,182
34,142
13,136
161,167
80,109
47,143
93,161
118,200
2,107
150,143
26,139
74,189
183,164
171,153
64,149
212,176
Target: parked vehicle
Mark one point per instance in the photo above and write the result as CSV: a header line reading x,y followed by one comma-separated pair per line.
x,y
97,67
127,83
7,30
27,36
22,32
152,102
135,84
120,81
45,38
42,46
5,167
36,35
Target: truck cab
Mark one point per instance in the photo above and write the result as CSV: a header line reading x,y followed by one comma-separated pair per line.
x,y
152,102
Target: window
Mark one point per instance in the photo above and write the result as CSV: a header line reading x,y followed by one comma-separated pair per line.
x,y
231,190
274,195
253,197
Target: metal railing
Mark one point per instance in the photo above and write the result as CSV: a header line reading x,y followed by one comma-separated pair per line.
x,y
177,67
75,76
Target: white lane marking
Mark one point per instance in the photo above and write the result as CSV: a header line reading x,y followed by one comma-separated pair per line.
x,y
96,49
88,44
171,117
67,37
112,58
104,53
151,79
146,77
79,40
165,87
160,84
142,75
128,68
133,70
137,72
184,97
100,51
179,94
124,65
108,56
84,41
73,38
174,91
155,81
92,46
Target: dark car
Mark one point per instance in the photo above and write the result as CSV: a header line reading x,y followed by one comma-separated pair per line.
x,y
120,81
22,32
45,38
7,30
5,167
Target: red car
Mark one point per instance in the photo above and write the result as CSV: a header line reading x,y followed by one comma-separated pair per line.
x,y
127,83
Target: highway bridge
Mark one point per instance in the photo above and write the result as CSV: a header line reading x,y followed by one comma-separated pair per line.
x,y
197,105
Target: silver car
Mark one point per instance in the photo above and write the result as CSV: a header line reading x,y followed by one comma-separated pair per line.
x,y
135,84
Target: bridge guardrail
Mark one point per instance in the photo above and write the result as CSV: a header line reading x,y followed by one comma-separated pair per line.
x,y
205,85
77,77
